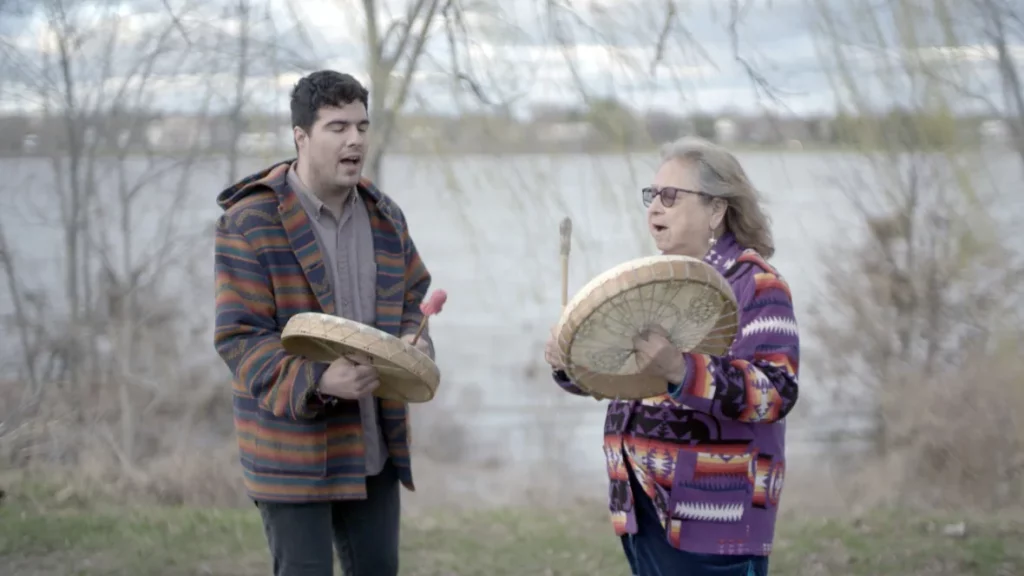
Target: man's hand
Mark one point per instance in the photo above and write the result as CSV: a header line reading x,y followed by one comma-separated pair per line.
x,y
350,378
420,344
656,356
552,355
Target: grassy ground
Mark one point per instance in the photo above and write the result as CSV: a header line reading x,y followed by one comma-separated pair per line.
x,y
72,538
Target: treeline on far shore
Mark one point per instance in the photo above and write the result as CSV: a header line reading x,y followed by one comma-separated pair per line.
x,y
604,127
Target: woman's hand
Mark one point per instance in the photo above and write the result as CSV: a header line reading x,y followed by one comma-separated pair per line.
x,y
656,356
551,353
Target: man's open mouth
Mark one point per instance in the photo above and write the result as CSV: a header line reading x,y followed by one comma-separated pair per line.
x,y
351,160
659,227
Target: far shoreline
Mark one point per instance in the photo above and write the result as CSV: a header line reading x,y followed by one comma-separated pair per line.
x,y
286,153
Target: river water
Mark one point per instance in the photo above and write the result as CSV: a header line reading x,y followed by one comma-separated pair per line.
x,y
487,228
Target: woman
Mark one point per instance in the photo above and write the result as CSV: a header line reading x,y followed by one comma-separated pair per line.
x,y
696,473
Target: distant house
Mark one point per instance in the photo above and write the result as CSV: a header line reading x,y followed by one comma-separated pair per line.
x,y
564,131
178,133
15,132
726,130
994,132
262,142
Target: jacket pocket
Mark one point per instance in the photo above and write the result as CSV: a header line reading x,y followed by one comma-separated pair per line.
x,y
290,448
712,486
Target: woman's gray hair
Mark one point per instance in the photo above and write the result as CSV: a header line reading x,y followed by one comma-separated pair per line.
x,y
722,176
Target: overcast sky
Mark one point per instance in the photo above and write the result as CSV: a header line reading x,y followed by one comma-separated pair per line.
x,y
512,52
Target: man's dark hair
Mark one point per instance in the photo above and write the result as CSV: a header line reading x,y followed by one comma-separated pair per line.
x,y
324,88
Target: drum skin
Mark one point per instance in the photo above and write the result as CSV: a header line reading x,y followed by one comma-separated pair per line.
x,y
684,298
406,374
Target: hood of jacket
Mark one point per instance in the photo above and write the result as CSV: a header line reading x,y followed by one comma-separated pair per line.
x,y
273,177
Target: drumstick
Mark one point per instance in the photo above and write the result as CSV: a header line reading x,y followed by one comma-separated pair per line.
x,y
565,230
431,306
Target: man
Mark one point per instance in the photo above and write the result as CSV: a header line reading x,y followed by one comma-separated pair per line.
x,y
322,457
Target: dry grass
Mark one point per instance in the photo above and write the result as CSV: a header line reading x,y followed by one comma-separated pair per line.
x,y
954,441
964,435
55,523
44,533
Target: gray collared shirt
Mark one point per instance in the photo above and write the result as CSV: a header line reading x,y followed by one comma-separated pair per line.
x,y
346,245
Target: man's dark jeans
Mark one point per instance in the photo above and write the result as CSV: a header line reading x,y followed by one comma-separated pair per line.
x,y
364,532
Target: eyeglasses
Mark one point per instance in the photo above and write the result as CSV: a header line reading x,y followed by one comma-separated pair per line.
x,y
668,195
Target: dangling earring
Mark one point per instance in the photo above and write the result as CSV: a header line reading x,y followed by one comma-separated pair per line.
x,y
712,240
